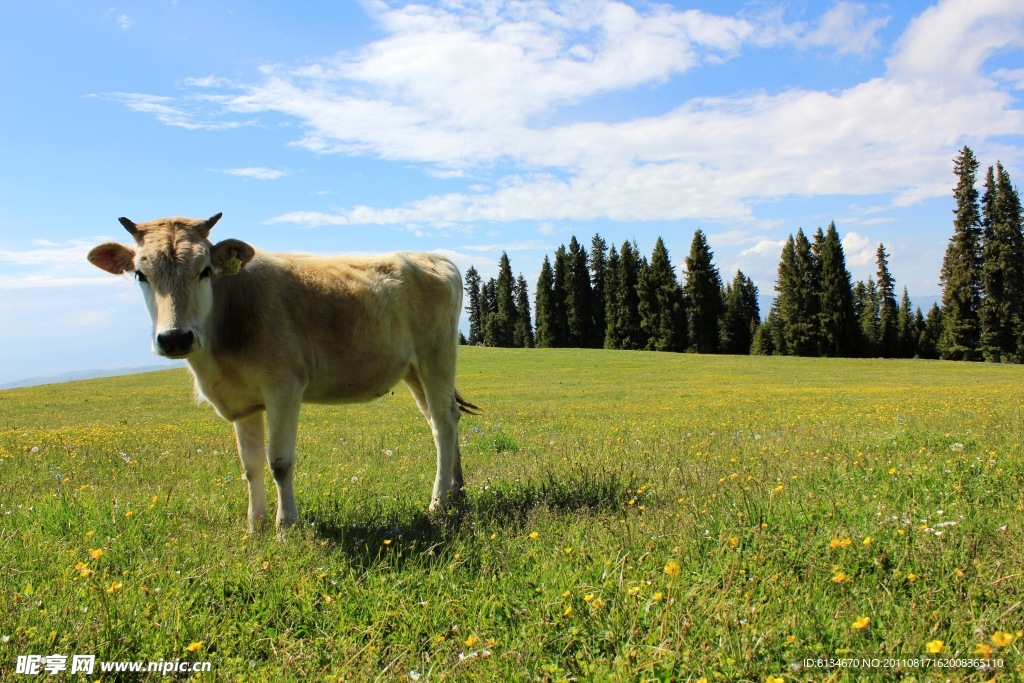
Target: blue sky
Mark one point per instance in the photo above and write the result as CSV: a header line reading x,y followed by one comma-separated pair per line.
x,y
476,127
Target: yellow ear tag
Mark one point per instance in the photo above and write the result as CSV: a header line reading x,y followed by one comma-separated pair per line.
x,y
233,264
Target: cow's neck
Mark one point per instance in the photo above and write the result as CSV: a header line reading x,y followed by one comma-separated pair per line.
x,y
217,383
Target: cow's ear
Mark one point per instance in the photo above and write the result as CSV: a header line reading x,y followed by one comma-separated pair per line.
x,y
230,256
113,258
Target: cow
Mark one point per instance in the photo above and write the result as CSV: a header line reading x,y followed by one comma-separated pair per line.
x,y
265,332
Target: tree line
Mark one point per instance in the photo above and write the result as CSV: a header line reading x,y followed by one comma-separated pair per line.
x,y
617,298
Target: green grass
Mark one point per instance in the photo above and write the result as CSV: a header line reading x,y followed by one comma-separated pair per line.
x,y
630,516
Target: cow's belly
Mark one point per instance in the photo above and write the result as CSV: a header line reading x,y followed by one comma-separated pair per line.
x,y
355,384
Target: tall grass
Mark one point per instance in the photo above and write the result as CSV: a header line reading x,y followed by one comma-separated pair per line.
x,y
629,516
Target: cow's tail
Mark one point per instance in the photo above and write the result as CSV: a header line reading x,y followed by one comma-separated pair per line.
x,y
465,406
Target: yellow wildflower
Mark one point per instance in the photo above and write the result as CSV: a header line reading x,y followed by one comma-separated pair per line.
x,y
861,623
934,646
95,553
471,641
672,568
194,646
1002,639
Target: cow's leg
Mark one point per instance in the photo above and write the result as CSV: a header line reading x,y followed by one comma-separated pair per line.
x,y
444,411
443,475
249,433
283,426
418,393
412,380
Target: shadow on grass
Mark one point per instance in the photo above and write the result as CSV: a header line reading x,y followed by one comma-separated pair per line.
x,y
393,536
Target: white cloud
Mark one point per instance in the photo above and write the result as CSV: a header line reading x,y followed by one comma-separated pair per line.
x,y
310,218
173,112
256,172
49,281
50,264
1014,76
125,22
858,249
469,85
847,28
773,247
207,82
529,245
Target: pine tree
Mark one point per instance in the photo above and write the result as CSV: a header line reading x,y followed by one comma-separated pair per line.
x,y
545,306
598,265
867,304
770,339
761,345
614,337
906,330
1012,214
489,313
662,312
628,323
703,291
742,317
888,324
523,331
624,303
473,305
1002,274
797,300
560,331
505,313
961,267
931,334
838,324
579,297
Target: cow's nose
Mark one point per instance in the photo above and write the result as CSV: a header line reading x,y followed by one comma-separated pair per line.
x,y
175,342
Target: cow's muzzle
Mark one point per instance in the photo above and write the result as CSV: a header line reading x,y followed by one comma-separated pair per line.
x,y
175,343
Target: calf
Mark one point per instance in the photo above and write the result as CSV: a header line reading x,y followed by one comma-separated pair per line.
x,y
265,332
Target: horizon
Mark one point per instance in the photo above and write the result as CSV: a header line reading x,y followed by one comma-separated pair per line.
x,y
476,128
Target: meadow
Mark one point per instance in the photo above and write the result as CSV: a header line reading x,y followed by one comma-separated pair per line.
x,y
629,516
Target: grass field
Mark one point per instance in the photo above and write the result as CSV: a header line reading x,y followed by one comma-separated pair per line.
x,y
630,516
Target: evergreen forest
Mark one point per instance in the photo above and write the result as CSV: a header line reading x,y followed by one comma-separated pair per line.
x,y
614,297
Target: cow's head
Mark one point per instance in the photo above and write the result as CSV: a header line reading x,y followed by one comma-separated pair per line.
x,y
174,262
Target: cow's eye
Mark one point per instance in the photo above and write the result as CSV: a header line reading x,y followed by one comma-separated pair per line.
x,y
140,277
206,272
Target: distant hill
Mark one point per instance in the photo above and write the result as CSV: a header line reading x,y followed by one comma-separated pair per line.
x,y
76,375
